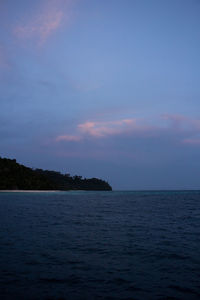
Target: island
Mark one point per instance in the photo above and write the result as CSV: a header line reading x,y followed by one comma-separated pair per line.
x,y
15,176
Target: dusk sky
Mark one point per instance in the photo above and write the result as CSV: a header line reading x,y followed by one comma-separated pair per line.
x,y
103,88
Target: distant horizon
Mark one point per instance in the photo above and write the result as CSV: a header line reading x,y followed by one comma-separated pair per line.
x,y
93,191
113,189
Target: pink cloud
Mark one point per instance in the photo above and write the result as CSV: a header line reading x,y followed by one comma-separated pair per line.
x,y
103,129
44,23
180,128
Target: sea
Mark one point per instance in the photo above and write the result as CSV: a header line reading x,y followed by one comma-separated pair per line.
x,y
100,245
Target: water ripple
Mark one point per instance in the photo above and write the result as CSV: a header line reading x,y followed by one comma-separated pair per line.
x,y
120,245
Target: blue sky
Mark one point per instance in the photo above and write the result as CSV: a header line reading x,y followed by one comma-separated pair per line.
x,y
106,89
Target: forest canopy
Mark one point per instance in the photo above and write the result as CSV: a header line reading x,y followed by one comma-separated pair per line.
x,y
14,176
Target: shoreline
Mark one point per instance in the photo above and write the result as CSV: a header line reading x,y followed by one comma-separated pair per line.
x,y
29,191
48,191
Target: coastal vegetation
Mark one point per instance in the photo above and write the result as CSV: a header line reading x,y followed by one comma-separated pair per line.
x,y
15,176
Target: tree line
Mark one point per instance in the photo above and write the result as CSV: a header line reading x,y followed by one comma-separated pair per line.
x,y
15,176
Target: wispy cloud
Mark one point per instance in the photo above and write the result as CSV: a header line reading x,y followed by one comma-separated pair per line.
x,y
182,122
186,129
41,25
103,129
181,128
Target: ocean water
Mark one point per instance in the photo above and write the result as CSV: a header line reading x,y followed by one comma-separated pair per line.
x,y
100,245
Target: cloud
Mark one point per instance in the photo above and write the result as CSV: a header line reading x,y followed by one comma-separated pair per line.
x,y
183,129
44,23
182,122
103,129
186,128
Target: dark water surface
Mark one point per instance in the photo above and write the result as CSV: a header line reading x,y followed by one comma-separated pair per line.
x,y
100,245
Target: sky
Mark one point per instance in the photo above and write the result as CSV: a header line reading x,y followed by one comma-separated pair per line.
x,y
103,88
